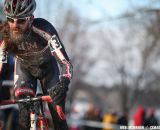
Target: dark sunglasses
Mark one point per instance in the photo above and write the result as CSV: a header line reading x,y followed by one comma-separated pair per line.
x,y
17,20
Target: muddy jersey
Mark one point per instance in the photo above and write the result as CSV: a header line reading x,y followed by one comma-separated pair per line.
x,y
42,45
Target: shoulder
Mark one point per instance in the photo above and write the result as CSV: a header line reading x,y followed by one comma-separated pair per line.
x,y
40,22
43,25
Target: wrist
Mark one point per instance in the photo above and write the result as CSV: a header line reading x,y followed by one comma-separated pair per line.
x,y
65,80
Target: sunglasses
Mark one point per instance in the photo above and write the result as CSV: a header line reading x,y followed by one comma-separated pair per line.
x,y
17,20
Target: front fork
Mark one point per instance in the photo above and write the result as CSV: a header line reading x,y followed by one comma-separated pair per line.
x,y
39,122
43,125
33,121
37,118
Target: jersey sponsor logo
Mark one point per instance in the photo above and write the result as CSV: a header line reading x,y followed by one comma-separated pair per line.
x,y
23,91
27,46
54,43
3,56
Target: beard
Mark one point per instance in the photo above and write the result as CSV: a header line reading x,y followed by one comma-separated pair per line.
x,y
16,37
13,38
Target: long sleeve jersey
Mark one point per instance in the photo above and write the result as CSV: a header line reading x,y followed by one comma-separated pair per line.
x,y
40,45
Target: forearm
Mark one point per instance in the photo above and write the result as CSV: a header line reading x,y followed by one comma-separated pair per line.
x,y
58,51
67,69
66,66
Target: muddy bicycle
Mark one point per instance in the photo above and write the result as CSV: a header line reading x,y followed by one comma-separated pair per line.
x,y
38,120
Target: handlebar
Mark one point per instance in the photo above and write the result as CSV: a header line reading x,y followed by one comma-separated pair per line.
x,y
46,98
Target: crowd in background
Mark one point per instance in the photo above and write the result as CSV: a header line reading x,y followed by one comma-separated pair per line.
x,y
113,120
145,118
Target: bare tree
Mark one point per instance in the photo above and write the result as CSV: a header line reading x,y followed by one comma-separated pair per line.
x,y
140,20
149,55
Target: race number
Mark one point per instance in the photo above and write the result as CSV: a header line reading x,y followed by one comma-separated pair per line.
x,y
3,56
54,43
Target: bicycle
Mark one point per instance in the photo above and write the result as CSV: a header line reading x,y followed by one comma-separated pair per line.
x,y
37,117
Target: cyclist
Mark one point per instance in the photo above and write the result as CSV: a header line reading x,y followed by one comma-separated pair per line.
x,y
39,55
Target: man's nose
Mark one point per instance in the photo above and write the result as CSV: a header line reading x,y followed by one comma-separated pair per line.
x,y
15,24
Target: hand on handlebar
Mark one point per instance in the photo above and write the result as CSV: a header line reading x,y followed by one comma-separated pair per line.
x,y
59,91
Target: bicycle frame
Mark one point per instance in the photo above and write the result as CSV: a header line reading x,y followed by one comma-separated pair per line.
x,y
42,123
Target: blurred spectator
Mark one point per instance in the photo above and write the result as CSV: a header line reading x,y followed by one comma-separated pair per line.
x,y
123,119
90,115
110,119
8,115
6,74
151,120
75,117
93,114
139,117
98,115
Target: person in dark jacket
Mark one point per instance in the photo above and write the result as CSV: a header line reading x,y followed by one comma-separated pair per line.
x,y
123,119
151,120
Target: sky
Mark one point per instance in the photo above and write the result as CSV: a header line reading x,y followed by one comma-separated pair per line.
x,y
91,9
